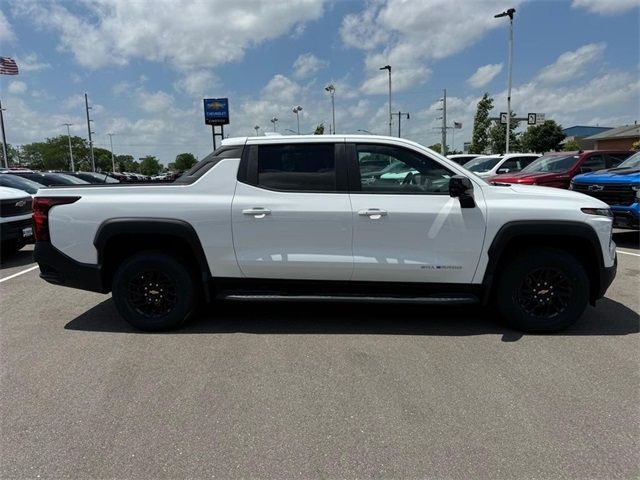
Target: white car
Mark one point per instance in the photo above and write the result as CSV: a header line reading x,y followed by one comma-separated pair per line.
x,y
16,227
462,158
295,218
487,166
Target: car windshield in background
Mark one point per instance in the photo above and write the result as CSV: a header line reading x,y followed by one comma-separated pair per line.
x,y
552,163
632,162
24,184
482,164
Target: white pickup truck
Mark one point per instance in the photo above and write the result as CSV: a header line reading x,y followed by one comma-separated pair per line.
x,y
313,218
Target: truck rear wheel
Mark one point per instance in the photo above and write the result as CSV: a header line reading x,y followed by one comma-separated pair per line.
x,y
154,291
543,290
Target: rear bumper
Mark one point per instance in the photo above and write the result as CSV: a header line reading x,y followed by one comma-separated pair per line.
x,y
59,269
14,230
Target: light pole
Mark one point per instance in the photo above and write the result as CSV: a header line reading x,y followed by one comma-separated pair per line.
x,y
73,167
256,128
113,161
400,115
508,13
5,153
274,120
332,90
297,111
388,67
365,131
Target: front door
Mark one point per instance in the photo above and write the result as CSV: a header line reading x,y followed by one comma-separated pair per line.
x,y
289,219
406,226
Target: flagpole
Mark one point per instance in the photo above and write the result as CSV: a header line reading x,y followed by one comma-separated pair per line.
x,y
4,139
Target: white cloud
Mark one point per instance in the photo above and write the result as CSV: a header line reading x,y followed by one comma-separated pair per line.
x,y
186,35
401,79
572,64
17,87
407,34
30,63
606,7
307,64
6,31
199,84
154,102
282,89
484,75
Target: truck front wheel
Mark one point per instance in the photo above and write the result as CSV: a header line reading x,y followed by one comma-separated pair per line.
x,y
154,291
542,290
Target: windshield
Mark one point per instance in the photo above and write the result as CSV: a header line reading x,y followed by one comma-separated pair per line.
x,y
13,181
552,163
482,164
69,179
632,162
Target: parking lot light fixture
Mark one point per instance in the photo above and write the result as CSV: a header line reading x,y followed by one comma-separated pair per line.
x,y
508,13
297,111
388,67
257,129
332,90
274,120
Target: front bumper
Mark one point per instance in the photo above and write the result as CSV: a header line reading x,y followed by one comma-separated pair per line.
x,y
607,275
59,269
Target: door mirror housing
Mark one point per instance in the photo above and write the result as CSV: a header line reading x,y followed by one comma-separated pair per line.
x,y
503,170
461,187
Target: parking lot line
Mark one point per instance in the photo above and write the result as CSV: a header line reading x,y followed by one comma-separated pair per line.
x,y
17,274
628,253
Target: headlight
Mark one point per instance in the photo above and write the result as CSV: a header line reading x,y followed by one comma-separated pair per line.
x,y
603,212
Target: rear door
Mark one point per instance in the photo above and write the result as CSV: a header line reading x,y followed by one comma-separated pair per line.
x,y
406,226
291,213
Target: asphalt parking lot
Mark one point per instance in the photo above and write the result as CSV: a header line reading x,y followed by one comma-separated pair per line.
x,y
302,391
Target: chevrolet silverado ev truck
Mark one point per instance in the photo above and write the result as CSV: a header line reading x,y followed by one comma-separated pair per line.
x,y
294,218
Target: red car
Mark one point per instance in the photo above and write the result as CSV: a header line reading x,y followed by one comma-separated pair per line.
x,y
557,169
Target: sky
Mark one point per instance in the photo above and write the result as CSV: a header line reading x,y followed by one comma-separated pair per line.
x,y
147,65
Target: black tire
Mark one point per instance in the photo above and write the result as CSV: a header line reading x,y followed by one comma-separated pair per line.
x,y
542,291
155,291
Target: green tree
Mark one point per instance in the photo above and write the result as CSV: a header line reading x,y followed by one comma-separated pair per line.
x,y
126,163
103,159
571,145
543,138
635,145
481,125
53,153
319,129
150,165
498,133
184,161
436,147
12,153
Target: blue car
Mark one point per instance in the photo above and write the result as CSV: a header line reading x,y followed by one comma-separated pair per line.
x,y
619,187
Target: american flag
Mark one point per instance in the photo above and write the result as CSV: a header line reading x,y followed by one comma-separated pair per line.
x,y
8,66
457,125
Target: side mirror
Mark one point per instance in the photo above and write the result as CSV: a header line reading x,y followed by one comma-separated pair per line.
x,y
503,170
461,187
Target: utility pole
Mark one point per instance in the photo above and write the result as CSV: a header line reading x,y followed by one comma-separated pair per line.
x,y
113,161
73,168
508,13
443,128
388,67
400,114
87,108
4,140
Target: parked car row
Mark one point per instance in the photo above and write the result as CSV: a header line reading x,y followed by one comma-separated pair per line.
x,y
612,176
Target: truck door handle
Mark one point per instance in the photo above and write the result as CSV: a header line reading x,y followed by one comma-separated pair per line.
x,y
373,213
257,212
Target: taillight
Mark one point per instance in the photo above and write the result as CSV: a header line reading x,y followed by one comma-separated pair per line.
x,y
41,207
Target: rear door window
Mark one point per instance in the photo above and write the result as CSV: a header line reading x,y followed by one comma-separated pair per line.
x,y
297,167
595,162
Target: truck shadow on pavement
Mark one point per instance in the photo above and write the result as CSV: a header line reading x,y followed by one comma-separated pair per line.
x,y
17,259
609,318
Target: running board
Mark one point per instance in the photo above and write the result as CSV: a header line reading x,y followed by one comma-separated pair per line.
x,y
429,300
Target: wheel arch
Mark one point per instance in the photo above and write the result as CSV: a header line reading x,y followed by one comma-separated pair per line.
x,y
118,238
576,238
